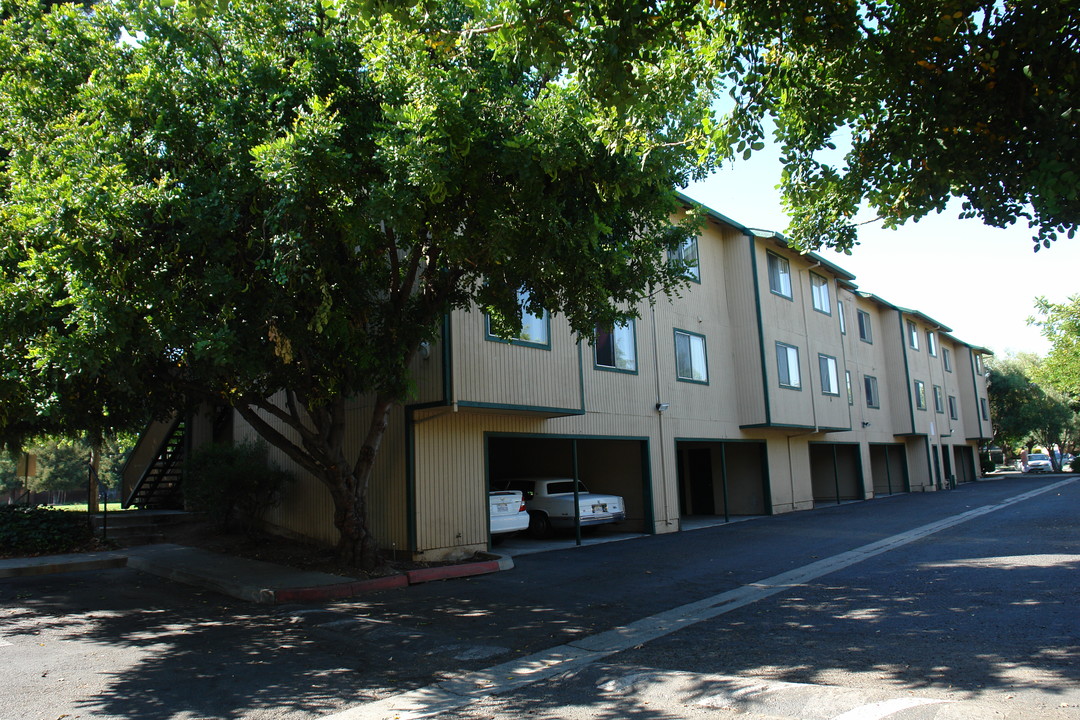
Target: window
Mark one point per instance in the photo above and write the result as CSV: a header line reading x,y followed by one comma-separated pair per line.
x,y
535,329
984,408
787,364
946,358
850,392
939,399
931,342
843,320
688,253
912,335
870,385
830,384
690,360
865,333
616,349
978,364
952,407
920,395
779,275
819,292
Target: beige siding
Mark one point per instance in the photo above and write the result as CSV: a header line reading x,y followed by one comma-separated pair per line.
x,y
742,297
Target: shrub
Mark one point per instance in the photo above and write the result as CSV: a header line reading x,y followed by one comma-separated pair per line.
x,y
233,483
42,530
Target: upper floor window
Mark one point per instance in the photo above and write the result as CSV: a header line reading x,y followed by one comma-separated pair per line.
x,y
779,275
840,314
952,407
535,329
865,332
688,253
920,395
871,388
946,359
787,365
691,363
830,381
978,364
616,349
850,392
931,342
984,408
939,400
819,291
912,335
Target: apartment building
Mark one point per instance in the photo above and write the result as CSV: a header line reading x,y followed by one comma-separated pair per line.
x,y
772,384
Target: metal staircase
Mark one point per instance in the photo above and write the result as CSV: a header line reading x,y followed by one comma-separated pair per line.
x,y
159,486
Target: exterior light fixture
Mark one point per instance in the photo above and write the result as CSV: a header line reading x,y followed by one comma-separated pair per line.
x,y
661,407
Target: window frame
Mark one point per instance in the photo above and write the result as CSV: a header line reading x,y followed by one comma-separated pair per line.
x,y
523,297
826,296
840,315
946,358
615,349
939,400
679,253
828,362
920,395
787,347
870,387
850,388
913,335
931,343
953,413
984,409
772,259
866,330
690,335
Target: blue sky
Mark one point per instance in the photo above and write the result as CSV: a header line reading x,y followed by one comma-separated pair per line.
x,y
978,280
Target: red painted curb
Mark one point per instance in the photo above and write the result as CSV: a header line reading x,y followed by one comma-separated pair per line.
x,y
451,571
341,590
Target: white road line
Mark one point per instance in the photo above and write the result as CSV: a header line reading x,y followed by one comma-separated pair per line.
x,y
452,694
885,708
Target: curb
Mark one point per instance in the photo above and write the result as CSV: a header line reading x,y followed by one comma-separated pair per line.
x,y
49,564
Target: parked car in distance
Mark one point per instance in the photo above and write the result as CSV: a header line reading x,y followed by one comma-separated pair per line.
x,y
1037,462
507,510
550,502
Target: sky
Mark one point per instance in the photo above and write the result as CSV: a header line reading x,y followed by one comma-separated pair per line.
x,y
980,281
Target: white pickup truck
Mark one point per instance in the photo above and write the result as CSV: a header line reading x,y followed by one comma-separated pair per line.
x,y
550,502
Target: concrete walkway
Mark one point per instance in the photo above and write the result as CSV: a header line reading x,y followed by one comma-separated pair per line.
x,y
251,580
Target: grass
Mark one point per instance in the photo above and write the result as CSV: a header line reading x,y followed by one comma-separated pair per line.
x,y
114,506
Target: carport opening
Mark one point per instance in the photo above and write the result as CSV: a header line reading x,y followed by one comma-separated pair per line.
x,y
964,457
721,479
888,466
606,466
835,472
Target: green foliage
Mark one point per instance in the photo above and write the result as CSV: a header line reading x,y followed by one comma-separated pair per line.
x,y
233,483
1060,324
41,530
1025,412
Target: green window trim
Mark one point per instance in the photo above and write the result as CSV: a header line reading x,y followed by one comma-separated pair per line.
x,y
870,386
939,400
622,360
946,359
866,328
931,343
952,408
820,295
785,353
686,369
544,320
850,390
840,315
920,395
913,335
829,371
688,253
779,271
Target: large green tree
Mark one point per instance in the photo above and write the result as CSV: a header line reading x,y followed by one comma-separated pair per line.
x,y
1026,413
274,205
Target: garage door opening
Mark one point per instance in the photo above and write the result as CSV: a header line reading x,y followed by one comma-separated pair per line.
x,y
602,466
964,457
722,479
888,466
835,473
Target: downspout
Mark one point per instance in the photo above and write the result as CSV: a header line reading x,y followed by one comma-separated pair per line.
x,y
660,420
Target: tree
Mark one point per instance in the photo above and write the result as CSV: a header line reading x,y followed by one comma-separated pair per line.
x,y
1026,414
1060,324
275,205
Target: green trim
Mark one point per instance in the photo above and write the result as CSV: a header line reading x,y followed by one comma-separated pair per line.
x,y
517,341
581,376
610,368
946,359
825,284
770,254
869,339
840,315
695,271
907,370
975,390
837,367
527,408
931,343
765,479
877,392
760,328
939,399
705,346
920,397
912,332
798,362
447,359
647,490
820,428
